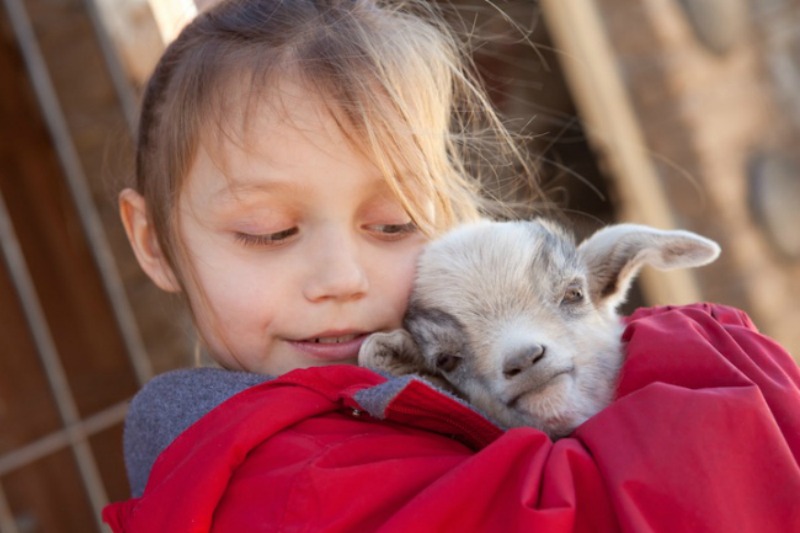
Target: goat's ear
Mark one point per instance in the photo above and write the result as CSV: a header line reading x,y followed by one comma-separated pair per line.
x,y
615,254
395,353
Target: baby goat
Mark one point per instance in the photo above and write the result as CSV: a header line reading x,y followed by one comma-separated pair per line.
x,y
520,322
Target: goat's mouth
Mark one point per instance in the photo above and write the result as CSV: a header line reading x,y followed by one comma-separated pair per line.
x,y
539,386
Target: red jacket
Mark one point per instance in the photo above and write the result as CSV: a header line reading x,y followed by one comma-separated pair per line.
x,y
704,435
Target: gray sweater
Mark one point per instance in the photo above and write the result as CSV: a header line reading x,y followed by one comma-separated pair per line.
x,y
169,404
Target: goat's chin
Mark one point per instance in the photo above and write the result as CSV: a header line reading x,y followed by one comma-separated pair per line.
x,y
557,410
550,409
557,425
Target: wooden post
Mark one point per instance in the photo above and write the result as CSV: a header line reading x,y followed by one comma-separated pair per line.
x,y
592,74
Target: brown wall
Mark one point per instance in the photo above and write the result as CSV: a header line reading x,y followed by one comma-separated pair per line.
x,y
708,116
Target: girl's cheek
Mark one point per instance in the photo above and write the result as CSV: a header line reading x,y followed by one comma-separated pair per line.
x,y
403,279
224,334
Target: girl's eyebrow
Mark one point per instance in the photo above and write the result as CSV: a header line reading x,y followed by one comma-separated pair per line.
x,y
235,196
235,187
243,185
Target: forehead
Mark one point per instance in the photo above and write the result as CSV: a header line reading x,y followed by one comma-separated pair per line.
x,y
250,112
487,266
249,116
285,128
501,247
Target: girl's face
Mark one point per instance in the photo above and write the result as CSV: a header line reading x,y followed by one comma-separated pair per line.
x,y
298,248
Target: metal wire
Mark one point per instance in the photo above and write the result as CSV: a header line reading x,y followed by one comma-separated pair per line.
x,y
125,94
7,522
77,183
59,440
48,355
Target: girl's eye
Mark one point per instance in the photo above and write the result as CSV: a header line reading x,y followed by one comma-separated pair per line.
x,y
269,239
393,231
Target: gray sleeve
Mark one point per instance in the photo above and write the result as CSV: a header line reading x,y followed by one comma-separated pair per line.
x,y
169,404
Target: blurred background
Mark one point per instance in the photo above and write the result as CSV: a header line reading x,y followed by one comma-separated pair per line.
x,y
675,113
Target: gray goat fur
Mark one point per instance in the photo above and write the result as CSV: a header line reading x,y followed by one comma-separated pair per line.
x,y
521,322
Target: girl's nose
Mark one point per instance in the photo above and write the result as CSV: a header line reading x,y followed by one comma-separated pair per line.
x,y
336,272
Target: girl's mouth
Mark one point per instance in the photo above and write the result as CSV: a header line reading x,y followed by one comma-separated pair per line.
x,y
335,340
332,348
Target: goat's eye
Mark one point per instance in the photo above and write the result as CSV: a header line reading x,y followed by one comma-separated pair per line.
x,y
573,295
447,362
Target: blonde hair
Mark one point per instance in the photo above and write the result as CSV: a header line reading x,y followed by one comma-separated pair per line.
x,y
393,74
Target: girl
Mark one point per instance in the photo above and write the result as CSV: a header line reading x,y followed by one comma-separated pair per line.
x,y
294,156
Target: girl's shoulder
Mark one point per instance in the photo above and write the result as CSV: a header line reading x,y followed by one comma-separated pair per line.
x,y
170,403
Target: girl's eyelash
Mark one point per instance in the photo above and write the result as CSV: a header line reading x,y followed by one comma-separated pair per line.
x,y
270,239
395,230
385,231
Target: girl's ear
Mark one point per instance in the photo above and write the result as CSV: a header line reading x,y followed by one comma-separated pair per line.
x,y
143,239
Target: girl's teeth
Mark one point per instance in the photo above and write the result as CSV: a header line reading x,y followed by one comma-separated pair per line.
x,y
334,340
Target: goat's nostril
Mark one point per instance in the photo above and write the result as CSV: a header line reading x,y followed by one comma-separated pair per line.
x,y
537,353
523,360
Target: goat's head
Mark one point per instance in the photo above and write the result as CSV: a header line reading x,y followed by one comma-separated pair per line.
x,y
522,322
